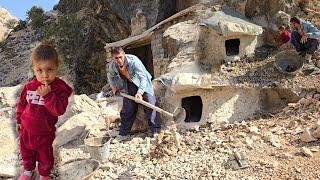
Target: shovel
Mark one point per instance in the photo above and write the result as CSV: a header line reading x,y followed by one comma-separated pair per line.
x,y
178,113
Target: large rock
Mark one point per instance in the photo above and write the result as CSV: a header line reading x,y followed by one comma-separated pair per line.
x,y
80,124
7,23
8,150
76,126
179,36
77,104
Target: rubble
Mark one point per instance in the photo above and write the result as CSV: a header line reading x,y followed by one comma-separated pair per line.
x,y
241,139
306,136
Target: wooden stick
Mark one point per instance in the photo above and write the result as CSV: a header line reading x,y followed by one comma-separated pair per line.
x,y
147,105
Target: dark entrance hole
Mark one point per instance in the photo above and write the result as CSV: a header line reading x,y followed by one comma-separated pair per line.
x,y
232,47
144,53
193,107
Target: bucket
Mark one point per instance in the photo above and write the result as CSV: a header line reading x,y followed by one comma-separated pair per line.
x,y
288,62
98,147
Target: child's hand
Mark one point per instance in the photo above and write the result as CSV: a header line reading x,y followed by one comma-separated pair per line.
x,y
18,128
44,89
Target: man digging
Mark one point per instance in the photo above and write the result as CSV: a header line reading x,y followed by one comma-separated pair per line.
x,y
127,72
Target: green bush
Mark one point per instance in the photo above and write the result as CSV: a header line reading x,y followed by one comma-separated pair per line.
x,y
36,15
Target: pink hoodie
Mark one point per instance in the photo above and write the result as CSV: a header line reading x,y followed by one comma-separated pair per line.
x,y
38,115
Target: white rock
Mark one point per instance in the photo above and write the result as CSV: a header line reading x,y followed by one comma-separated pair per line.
x,y
307,152
254,130
77,104
76,125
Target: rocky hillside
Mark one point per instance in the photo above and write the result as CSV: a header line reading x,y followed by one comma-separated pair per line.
x,y
79,30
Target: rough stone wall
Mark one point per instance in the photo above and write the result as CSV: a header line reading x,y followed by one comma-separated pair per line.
x,y
160,60
212,46
168,41
266,13
229,103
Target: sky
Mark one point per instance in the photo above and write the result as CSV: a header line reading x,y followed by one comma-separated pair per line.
x,y
19,8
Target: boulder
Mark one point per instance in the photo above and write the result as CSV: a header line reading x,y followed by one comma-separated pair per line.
x,y
77,104
77,125
7,23
9,147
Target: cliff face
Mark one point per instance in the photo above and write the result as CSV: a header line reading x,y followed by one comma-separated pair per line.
x,y
102,22
155,10
7,23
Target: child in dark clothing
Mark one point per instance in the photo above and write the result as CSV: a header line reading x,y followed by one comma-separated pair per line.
x,y
42,100
284,36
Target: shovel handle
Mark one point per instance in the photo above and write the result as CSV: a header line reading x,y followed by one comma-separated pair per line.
x,y
147,104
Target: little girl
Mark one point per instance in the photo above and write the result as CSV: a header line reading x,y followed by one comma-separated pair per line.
x,y
42,100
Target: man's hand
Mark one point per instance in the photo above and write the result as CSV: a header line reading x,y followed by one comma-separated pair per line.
x,y
304,38
18,128
44,89
114,90
138,96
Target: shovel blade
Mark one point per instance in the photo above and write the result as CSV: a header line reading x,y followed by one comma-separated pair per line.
x,y
179,114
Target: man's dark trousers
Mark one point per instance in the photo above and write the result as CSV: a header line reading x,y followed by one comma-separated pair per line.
x,y
129,111
309,47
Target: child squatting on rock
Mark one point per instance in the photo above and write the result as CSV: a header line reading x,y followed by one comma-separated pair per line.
x,y
284,36
42,100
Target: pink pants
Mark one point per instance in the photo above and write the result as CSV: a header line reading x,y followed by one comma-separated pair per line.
x,y
35,148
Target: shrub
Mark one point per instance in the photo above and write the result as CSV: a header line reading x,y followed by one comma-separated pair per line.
x,y
36,15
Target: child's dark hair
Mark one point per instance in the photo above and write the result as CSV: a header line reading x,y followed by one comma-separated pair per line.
x,y
295,20
45,52
282,28
116,50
